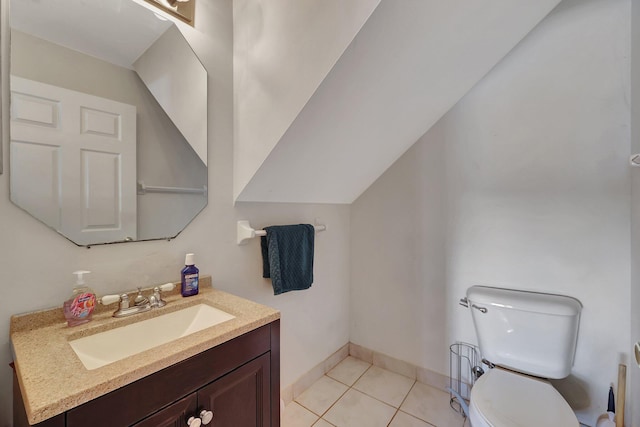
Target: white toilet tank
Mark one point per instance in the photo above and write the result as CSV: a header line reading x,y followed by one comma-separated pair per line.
x,y
529,332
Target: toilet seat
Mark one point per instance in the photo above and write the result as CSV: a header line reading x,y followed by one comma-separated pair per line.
x,y
502,398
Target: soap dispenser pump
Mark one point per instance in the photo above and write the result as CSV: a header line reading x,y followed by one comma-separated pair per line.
x,y
79,308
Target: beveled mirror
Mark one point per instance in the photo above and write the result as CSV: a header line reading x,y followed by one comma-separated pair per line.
x,y
108,120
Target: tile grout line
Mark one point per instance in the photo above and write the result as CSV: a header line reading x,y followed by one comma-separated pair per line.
x,y
400,405
322,419
349,387
394,416
330,406
386,403
356,380
414,416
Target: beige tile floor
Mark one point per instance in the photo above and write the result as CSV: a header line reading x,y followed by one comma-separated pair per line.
x,y
357,394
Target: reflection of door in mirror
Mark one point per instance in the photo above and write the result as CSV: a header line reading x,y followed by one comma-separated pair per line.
x,y
73,161
90,46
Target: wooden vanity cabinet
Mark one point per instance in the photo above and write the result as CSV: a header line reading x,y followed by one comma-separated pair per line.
x,y
239,381
237,400
173,415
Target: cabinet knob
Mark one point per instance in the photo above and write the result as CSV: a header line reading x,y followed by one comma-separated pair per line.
x,y
206,416
194,422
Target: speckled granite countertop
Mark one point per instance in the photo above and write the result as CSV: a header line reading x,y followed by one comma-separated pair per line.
x,y
53,379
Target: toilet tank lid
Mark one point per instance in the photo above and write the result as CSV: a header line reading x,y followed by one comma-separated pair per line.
x,y
536,302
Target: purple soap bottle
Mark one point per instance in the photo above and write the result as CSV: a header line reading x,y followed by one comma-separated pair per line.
x,y
190,277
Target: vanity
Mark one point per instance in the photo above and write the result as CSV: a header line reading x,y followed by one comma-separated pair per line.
x,y
224,375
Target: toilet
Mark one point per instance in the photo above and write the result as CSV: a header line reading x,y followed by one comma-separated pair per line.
x,y
529,337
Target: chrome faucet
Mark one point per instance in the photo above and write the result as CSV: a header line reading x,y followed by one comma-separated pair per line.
x,y
156,299
140,299
124,308
140,303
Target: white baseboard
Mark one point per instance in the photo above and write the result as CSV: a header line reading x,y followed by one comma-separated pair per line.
x,y
423,375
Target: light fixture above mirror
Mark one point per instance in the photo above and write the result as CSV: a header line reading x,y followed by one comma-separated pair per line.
x,y
185,10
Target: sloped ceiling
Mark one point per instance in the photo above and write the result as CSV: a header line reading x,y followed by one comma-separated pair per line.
x,y
410,62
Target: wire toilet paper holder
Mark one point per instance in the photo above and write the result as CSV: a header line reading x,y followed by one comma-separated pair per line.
x,y
465,367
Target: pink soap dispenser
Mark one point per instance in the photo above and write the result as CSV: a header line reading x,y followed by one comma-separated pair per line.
x,y
78,309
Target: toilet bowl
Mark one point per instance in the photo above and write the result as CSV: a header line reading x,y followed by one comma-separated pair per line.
x,y
527,336
502,398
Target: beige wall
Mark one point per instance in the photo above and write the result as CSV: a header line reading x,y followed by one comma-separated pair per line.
x,y
36,263
523,184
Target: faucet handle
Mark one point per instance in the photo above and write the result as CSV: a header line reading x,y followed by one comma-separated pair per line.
x,y
109,299
155,299
124,301
167,287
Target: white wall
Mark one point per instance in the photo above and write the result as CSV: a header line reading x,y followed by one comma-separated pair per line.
x,y
282,52
398,283
633,373
36,263
408,65
527,179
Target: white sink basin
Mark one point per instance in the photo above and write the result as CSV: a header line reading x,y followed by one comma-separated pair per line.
x,y
110,346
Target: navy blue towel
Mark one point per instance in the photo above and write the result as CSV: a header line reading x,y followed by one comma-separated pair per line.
x,y
287,257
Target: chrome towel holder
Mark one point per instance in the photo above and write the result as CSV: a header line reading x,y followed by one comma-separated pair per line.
x,y
246,232
144,189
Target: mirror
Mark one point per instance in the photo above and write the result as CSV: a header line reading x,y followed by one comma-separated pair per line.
x,y
108,120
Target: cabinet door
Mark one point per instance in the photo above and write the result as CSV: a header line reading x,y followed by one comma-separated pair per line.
x,y
240,398
174,415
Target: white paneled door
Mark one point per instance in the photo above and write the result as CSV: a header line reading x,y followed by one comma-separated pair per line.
x,y
73,161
